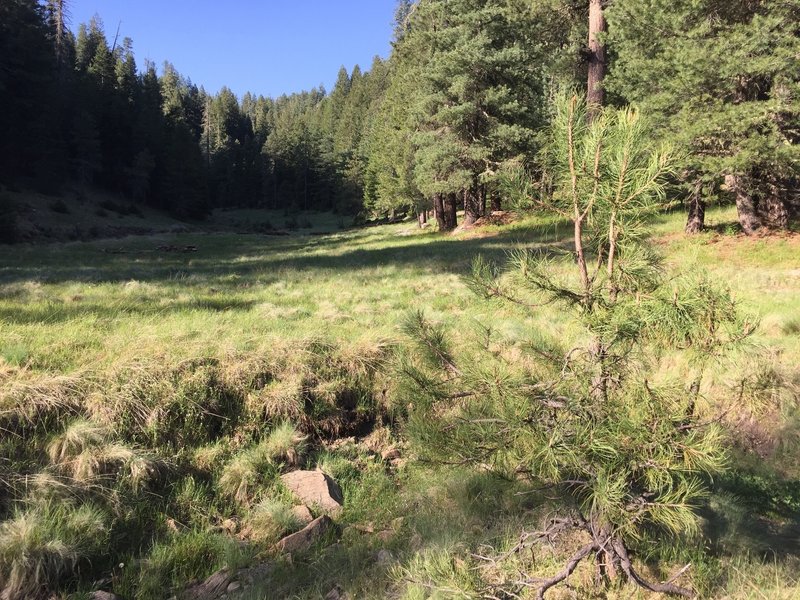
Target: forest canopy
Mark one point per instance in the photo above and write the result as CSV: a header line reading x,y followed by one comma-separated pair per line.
x,y
465,93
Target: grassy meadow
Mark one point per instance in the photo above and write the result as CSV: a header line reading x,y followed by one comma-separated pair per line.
x,y
192,367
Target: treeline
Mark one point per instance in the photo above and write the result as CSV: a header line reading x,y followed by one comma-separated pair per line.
x,y
460,104
77,108
472,83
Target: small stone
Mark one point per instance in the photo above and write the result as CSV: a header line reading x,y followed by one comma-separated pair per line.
x,y
100,595
305,538
210,589
367,528
230,526
384,557
337,593
234,586
390,454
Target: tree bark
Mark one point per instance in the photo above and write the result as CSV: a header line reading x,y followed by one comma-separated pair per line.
x,y
471,205
745,205
772,208
449,212
497,204
697,211
595,94
438,211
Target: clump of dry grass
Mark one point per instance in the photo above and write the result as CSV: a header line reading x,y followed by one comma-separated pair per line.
x,y
40,546
78,437
86,453
285,445
282,398
255,467
37,402
208,457
242,475
269,520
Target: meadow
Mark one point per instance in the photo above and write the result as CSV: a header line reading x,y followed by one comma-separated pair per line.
x,y
190,351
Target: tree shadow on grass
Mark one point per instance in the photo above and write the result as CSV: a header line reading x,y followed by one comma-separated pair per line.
x,y
38,313
756,515
220,257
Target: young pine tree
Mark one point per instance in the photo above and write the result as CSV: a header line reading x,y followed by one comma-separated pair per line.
x,y
599,424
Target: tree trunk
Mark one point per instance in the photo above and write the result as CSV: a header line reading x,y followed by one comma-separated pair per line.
x,y
471,205
595,95
497,204
772,208
438,211
482,199
449,212
697,210
745,205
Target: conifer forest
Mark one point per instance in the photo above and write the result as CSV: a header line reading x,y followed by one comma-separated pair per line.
x,y
512,312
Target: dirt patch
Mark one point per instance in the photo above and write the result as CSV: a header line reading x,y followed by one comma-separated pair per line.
x,y
494,219
499,217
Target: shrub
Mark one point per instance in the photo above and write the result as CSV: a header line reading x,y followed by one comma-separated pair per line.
x,y
626,454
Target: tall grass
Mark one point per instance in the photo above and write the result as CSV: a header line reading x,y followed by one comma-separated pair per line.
x,y
43,544
164,393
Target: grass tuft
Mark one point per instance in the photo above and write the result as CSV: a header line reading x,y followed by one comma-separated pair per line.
x,y
40,546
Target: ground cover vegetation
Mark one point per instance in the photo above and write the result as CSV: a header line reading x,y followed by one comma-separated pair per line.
x,y
575,399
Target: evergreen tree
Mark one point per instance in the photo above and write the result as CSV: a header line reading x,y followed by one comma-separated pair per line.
x,y
27,69
622,454
719,79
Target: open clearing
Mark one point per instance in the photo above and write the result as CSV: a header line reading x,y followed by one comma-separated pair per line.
x,y
96,312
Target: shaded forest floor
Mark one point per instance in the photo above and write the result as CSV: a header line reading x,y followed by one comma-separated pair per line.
x,y
98,311
80,214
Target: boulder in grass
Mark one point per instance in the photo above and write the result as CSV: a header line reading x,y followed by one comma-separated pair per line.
x,y
305,538
210,589
315,488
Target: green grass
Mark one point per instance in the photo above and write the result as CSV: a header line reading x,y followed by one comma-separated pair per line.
x,y
202,358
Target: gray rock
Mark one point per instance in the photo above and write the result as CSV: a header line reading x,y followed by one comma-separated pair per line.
x,y
337,593
305,538
315,488
211,589
233,586
100,595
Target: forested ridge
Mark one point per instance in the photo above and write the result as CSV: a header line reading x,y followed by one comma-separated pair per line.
x,y
512,314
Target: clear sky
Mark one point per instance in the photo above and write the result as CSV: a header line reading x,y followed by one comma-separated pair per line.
x,y
267,47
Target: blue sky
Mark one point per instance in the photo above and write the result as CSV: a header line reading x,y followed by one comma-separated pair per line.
x,y
268,47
